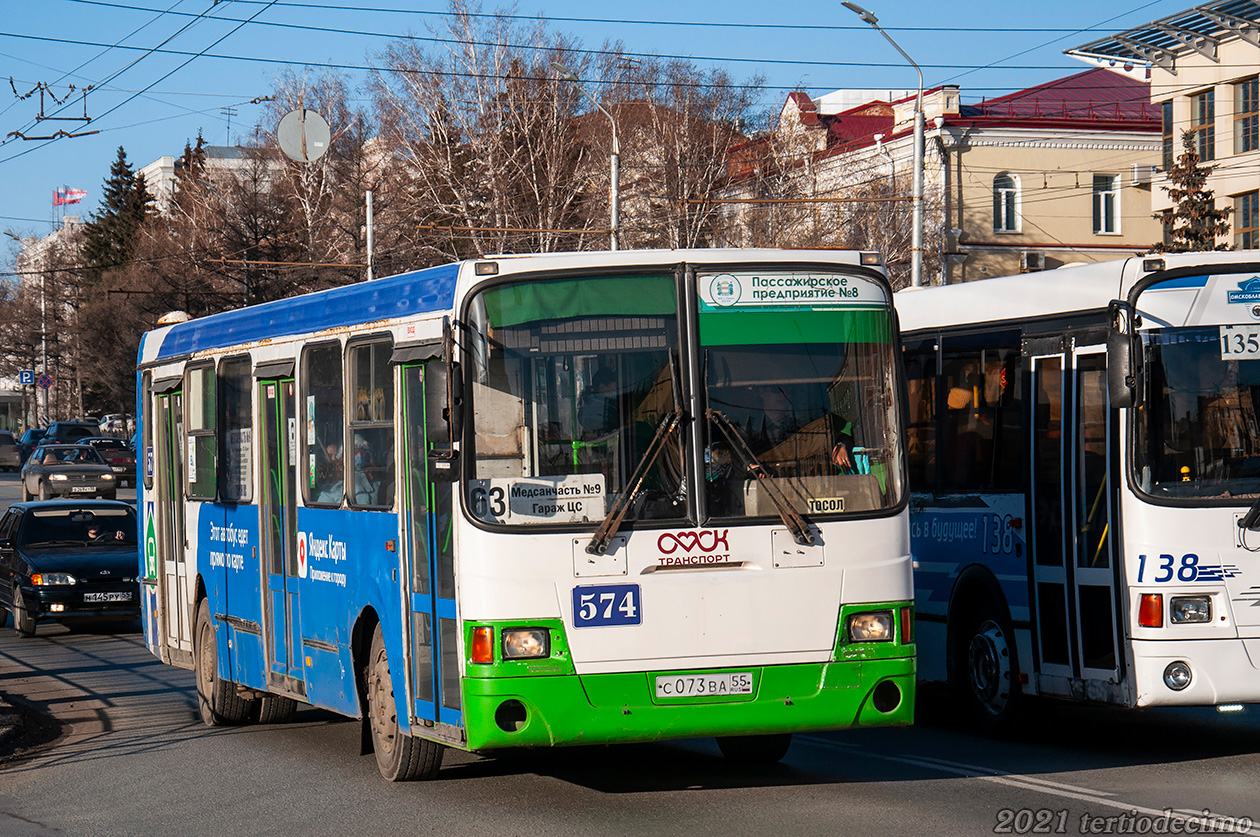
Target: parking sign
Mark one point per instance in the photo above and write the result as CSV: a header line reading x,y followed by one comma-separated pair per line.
x,y
26,377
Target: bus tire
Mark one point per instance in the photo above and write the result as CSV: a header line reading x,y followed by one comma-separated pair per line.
x,y
273,709
217,700
399,757
23,622
755,749
988,673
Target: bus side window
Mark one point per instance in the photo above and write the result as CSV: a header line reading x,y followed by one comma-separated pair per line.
x,y
199,406
980,429
236,387
323,406
371,452
920,361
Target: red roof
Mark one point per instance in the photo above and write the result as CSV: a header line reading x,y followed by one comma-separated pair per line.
x,y
1096,94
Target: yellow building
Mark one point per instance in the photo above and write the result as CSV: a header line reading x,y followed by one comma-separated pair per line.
x,y
1203,65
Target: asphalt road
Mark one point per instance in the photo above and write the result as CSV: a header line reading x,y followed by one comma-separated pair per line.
x,y
129,756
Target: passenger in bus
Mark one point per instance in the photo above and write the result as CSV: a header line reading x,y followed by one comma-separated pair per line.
x,y
330,475
365,488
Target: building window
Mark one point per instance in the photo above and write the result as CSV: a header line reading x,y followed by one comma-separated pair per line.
x,y
1203,124
1247,221
1005,204
1169,154
1246,116
1106,203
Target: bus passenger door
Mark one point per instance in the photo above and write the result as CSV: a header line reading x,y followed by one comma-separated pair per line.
x,y
1094,577
279,534
428,508
1073,573
168,479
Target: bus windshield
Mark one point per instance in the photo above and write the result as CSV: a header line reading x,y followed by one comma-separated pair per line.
x,y
571,379
1198,434
801,365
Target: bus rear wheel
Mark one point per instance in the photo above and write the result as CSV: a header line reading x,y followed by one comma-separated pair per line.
x,y
217,700
399,757
755,749
988,674
273,709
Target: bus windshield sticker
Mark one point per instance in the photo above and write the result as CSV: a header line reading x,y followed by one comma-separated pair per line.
x,y
786,288
575,498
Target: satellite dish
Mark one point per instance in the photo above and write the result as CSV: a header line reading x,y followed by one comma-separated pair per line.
x,y
303,135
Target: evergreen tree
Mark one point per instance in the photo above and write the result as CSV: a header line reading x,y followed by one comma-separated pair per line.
x,y
111,234
1194,224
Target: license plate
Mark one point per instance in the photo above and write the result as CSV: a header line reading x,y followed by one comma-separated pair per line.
x,y
106,597
704,685
82,489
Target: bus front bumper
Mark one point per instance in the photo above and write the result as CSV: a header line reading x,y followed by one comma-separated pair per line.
x,y
544,711
1221,671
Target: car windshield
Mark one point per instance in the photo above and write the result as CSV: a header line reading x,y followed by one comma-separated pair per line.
x,y
1199,433
60,457
105,527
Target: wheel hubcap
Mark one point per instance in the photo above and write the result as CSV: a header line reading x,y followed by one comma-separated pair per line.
x,y
381,706
989,667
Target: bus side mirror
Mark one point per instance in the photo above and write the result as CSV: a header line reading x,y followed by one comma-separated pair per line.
x,y
1122,382
455,400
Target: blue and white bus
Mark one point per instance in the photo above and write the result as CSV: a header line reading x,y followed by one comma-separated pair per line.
x,y
1084,456
529,501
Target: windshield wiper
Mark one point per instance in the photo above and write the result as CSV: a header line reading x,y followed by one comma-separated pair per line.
x,y
612,521
1252,517
791,518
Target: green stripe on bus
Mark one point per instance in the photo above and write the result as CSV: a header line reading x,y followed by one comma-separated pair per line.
x,y
766,327
589,296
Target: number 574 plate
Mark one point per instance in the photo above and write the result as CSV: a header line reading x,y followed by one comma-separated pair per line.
x,y
606,604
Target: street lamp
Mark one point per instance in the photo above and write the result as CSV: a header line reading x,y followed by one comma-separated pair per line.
x,y
614,162
916,245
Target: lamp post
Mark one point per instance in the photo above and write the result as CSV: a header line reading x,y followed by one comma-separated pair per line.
x,y
614,162
916,244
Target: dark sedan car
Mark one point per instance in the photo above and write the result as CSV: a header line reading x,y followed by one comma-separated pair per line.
x,y
69,562
29,441
117,455
68,471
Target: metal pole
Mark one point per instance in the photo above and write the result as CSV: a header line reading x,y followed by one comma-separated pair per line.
x,y
916,241
370,239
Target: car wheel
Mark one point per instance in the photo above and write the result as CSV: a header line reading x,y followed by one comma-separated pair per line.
x,y
399,757
23,622
755,749
26,495
44,493
217,700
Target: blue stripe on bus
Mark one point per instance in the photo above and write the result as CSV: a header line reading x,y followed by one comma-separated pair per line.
x,y
407,294
1183,282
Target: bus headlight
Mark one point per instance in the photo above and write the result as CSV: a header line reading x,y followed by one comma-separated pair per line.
x,y
1190,609
871,627
526,643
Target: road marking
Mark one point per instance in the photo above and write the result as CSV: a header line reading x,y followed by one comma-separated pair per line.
x,y
1019,780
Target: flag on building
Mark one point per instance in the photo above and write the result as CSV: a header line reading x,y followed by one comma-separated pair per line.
x,y
66,195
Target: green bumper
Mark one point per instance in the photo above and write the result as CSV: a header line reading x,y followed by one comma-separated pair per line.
x,y
569,709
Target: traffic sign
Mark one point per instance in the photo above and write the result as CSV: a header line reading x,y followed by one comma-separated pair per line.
x,y
45,381
26,377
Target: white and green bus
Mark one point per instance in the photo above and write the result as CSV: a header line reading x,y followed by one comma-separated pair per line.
x,y
527,501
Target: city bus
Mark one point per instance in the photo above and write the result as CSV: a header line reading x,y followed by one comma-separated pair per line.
x,y
1083,446
544,500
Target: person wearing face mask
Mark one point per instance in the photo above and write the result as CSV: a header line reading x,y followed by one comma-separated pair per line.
x,y
364,486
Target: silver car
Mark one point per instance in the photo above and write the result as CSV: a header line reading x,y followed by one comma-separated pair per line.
x,y
67,471
10,460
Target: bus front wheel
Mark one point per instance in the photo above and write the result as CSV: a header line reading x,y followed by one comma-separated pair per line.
x,y
217,700
399,757
755,749
988,673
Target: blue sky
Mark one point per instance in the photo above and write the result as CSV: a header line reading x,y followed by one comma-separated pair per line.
x,y
152,103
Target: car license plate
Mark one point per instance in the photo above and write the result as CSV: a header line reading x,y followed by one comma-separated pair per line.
x,y
82,489
106,597
704,685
